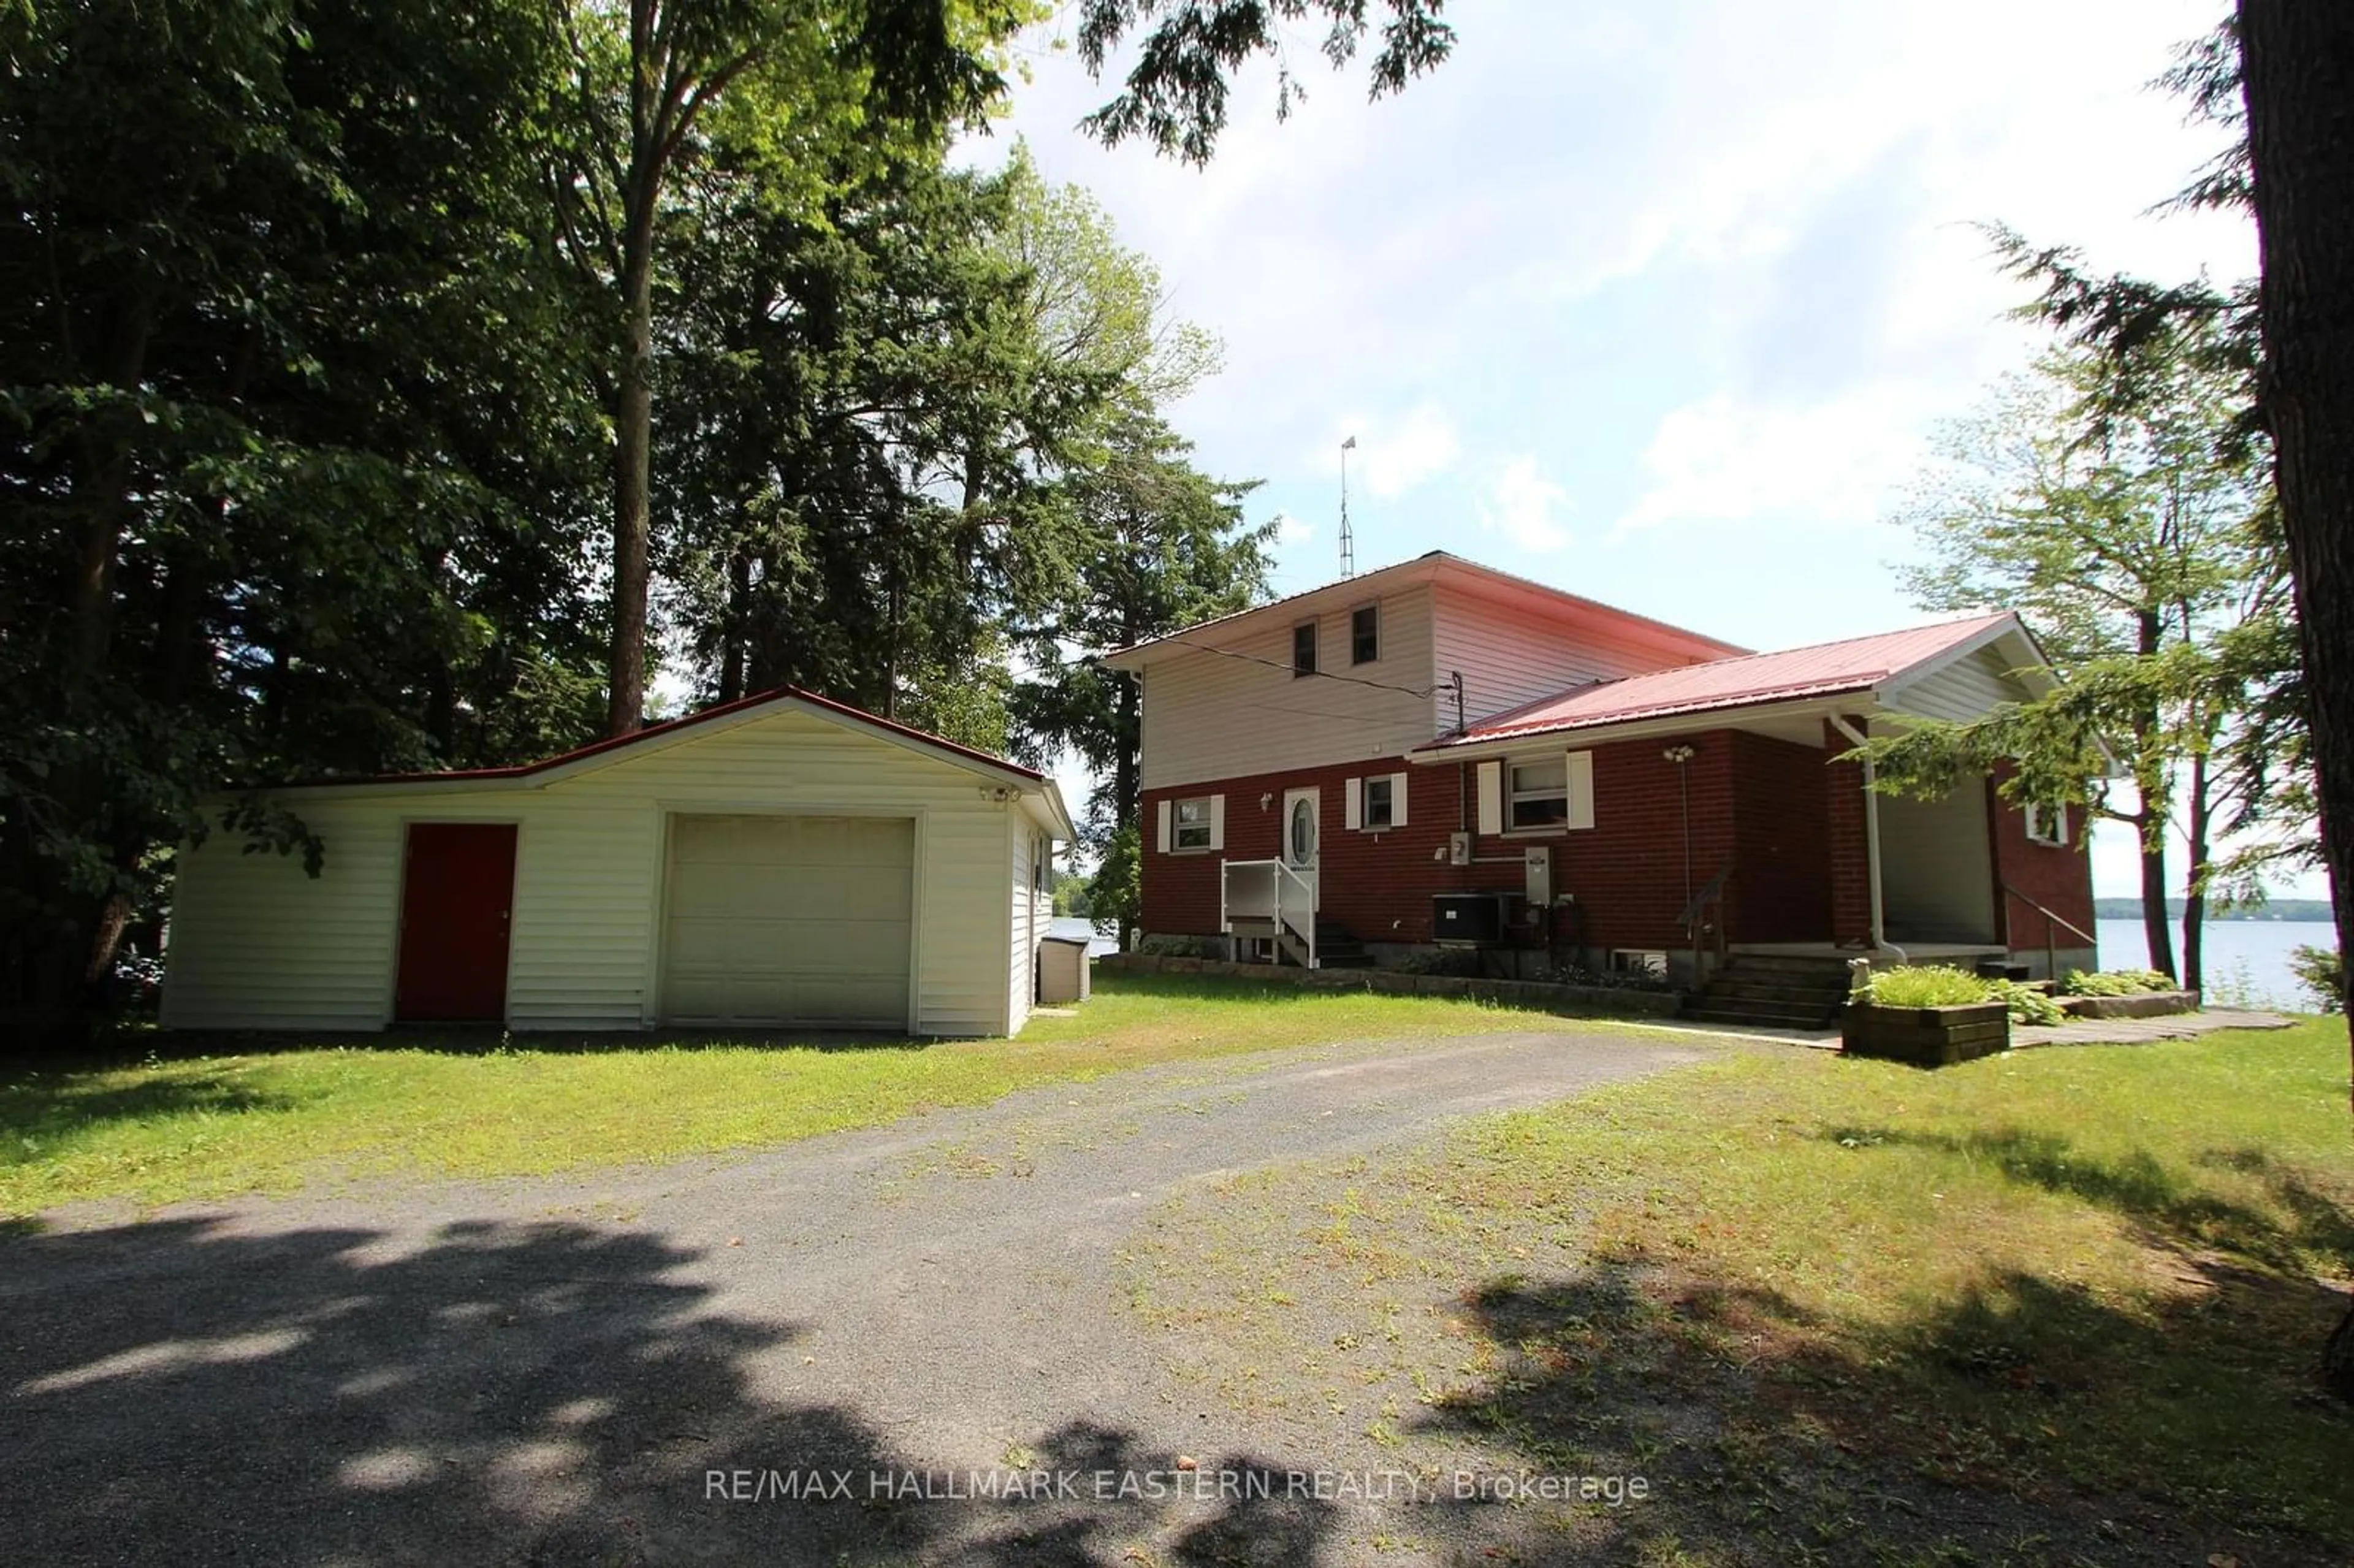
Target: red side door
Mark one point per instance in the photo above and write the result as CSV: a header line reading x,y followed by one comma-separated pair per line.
x,y
456,897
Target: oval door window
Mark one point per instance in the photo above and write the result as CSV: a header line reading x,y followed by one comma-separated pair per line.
x,y
1303,832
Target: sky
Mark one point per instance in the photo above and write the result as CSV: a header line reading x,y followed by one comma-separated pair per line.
x,y
1658,301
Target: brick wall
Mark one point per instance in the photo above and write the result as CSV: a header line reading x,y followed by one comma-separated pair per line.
x,y
1754,800
1851,858
2058,876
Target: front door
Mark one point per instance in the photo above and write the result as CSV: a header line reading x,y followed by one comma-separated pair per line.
x,y
1300,832
457,893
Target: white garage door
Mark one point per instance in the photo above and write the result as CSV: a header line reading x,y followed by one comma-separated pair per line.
x,y
788,920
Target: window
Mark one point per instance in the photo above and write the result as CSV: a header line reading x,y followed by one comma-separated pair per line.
x,y
2046,824
1380,802
1365,635
1193,824
1540,794
1303,649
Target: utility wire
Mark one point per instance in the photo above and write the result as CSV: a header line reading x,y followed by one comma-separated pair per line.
x,y
1424,692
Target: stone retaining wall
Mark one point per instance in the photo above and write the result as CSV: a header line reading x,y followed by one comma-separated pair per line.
x,y
2149,1005
1573,999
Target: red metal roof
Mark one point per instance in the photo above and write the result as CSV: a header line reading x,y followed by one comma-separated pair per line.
x,y
1823,669
671,727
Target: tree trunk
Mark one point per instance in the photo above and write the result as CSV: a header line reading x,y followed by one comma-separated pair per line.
x,y
2156,923
2194,902
2149,783
2298,70
734,625
634,437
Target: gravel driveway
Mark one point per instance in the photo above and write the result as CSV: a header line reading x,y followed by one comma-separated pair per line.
x,y
790,1357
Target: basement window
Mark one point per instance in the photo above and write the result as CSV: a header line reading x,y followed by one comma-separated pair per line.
x,y
1540,795
1303,649
1191,829
1365,635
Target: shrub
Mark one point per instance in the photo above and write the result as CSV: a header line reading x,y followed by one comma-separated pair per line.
x,y
2028,1003
1927,985
2116,982
2322,972
1183,947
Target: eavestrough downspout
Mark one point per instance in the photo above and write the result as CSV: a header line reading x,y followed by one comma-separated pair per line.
x,y
1879,941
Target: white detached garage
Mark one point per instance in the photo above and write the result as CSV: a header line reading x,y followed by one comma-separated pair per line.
x,y
783,860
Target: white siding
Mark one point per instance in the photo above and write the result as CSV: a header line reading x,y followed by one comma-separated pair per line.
x,y
1216,716
255,943
1028,924
1937,869
1508,658
1965,689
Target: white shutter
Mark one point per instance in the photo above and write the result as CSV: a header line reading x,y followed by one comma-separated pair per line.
x,y
1217,821
1581,788
1397,800
2060,825
1164,827
1491,796
1353,804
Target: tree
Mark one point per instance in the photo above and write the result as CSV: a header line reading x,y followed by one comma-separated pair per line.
x,y
1164,546
819,77
287,433
2297,65
2112,500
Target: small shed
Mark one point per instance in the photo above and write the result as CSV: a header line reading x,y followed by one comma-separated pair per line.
x,y
784,861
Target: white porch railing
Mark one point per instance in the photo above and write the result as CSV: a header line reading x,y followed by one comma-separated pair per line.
x,y
1272,890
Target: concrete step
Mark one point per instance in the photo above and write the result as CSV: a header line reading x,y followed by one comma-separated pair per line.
x,y
1786,964
1774,989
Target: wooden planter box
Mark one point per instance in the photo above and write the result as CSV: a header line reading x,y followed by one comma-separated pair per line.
x,y
2148,1004
1925,1036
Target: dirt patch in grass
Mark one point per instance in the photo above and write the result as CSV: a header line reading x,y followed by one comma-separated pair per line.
x,y
2052,1307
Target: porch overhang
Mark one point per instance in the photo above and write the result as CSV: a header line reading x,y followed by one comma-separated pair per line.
x,y
1800,720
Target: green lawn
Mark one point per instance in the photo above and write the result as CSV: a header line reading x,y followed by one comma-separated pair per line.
x,y
277,1116
1811,1295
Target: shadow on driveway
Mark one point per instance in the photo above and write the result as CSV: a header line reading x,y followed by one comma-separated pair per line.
x,y
180,1392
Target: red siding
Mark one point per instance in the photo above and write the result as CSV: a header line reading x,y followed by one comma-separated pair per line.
x,y
1754,802
2058,876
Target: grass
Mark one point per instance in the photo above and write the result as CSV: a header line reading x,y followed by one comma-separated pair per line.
x,y
274,1118
1814,1295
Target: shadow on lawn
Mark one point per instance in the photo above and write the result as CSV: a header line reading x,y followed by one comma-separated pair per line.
x,y
182,1393
2017,1422
2159,1425
2174,1211
42,1111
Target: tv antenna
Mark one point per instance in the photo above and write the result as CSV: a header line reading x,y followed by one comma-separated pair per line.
x,y
1348,540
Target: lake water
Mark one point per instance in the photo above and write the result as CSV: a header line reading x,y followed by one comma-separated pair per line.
x,y
2246,960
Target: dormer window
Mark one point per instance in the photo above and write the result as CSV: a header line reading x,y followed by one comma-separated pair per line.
x,y
1303,649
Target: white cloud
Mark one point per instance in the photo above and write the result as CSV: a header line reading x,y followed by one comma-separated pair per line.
x,y
1290,530
1724,459
1523,506
1392,457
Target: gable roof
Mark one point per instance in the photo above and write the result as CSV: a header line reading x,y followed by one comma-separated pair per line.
x,y
692,727
1432,566
1855,664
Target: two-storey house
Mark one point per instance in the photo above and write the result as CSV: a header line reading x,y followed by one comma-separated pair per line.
x,y
1439,752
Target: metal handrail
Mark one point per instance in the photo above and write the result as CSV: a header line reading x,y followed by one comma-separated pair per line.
x,y
2056,919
